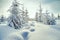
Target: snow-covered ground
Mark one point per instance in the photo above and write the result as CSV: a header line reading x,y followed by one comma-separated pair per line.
x,y
42,32
45,32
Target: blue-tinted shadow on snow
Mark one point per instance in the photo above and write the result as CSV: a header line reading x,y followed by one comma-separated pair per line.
x,y
25,35
57,27
32,30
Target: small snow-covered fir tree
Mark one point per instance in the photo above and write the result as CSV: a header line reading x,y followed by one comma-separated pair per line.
x,y
15,20
58,16
36,17
50,19
23,15
26,16
2,19
53,22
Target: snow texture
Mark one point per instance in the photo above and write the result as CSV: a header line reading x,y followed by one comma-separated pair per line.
x,y
42,32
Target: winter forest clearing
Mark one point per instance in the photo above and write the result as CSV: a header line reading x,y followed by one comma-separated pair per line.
x,y
18,26
42,32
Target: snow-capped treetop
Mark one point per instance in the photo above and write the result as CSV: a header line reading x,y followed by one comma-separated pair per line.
x,y
14,9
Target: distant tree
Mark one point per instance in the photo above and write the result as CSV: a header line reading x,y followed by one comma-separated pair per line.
x,y
26,16
2,19
37,17
58,16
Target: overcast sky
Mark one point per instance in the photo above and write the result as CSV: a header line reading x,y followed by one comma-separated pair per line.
x,y
32,5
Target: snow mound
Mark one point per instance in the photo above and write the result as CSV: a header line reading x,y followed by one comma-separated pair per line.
x,y
14,36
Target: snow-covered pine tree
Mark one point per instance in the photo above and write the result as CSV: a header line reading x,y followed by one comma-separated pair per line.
x,y
52,15
23,15
47,14
53,22
48,18
14,20
40,13
2,19
26,16
58,16
36,16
